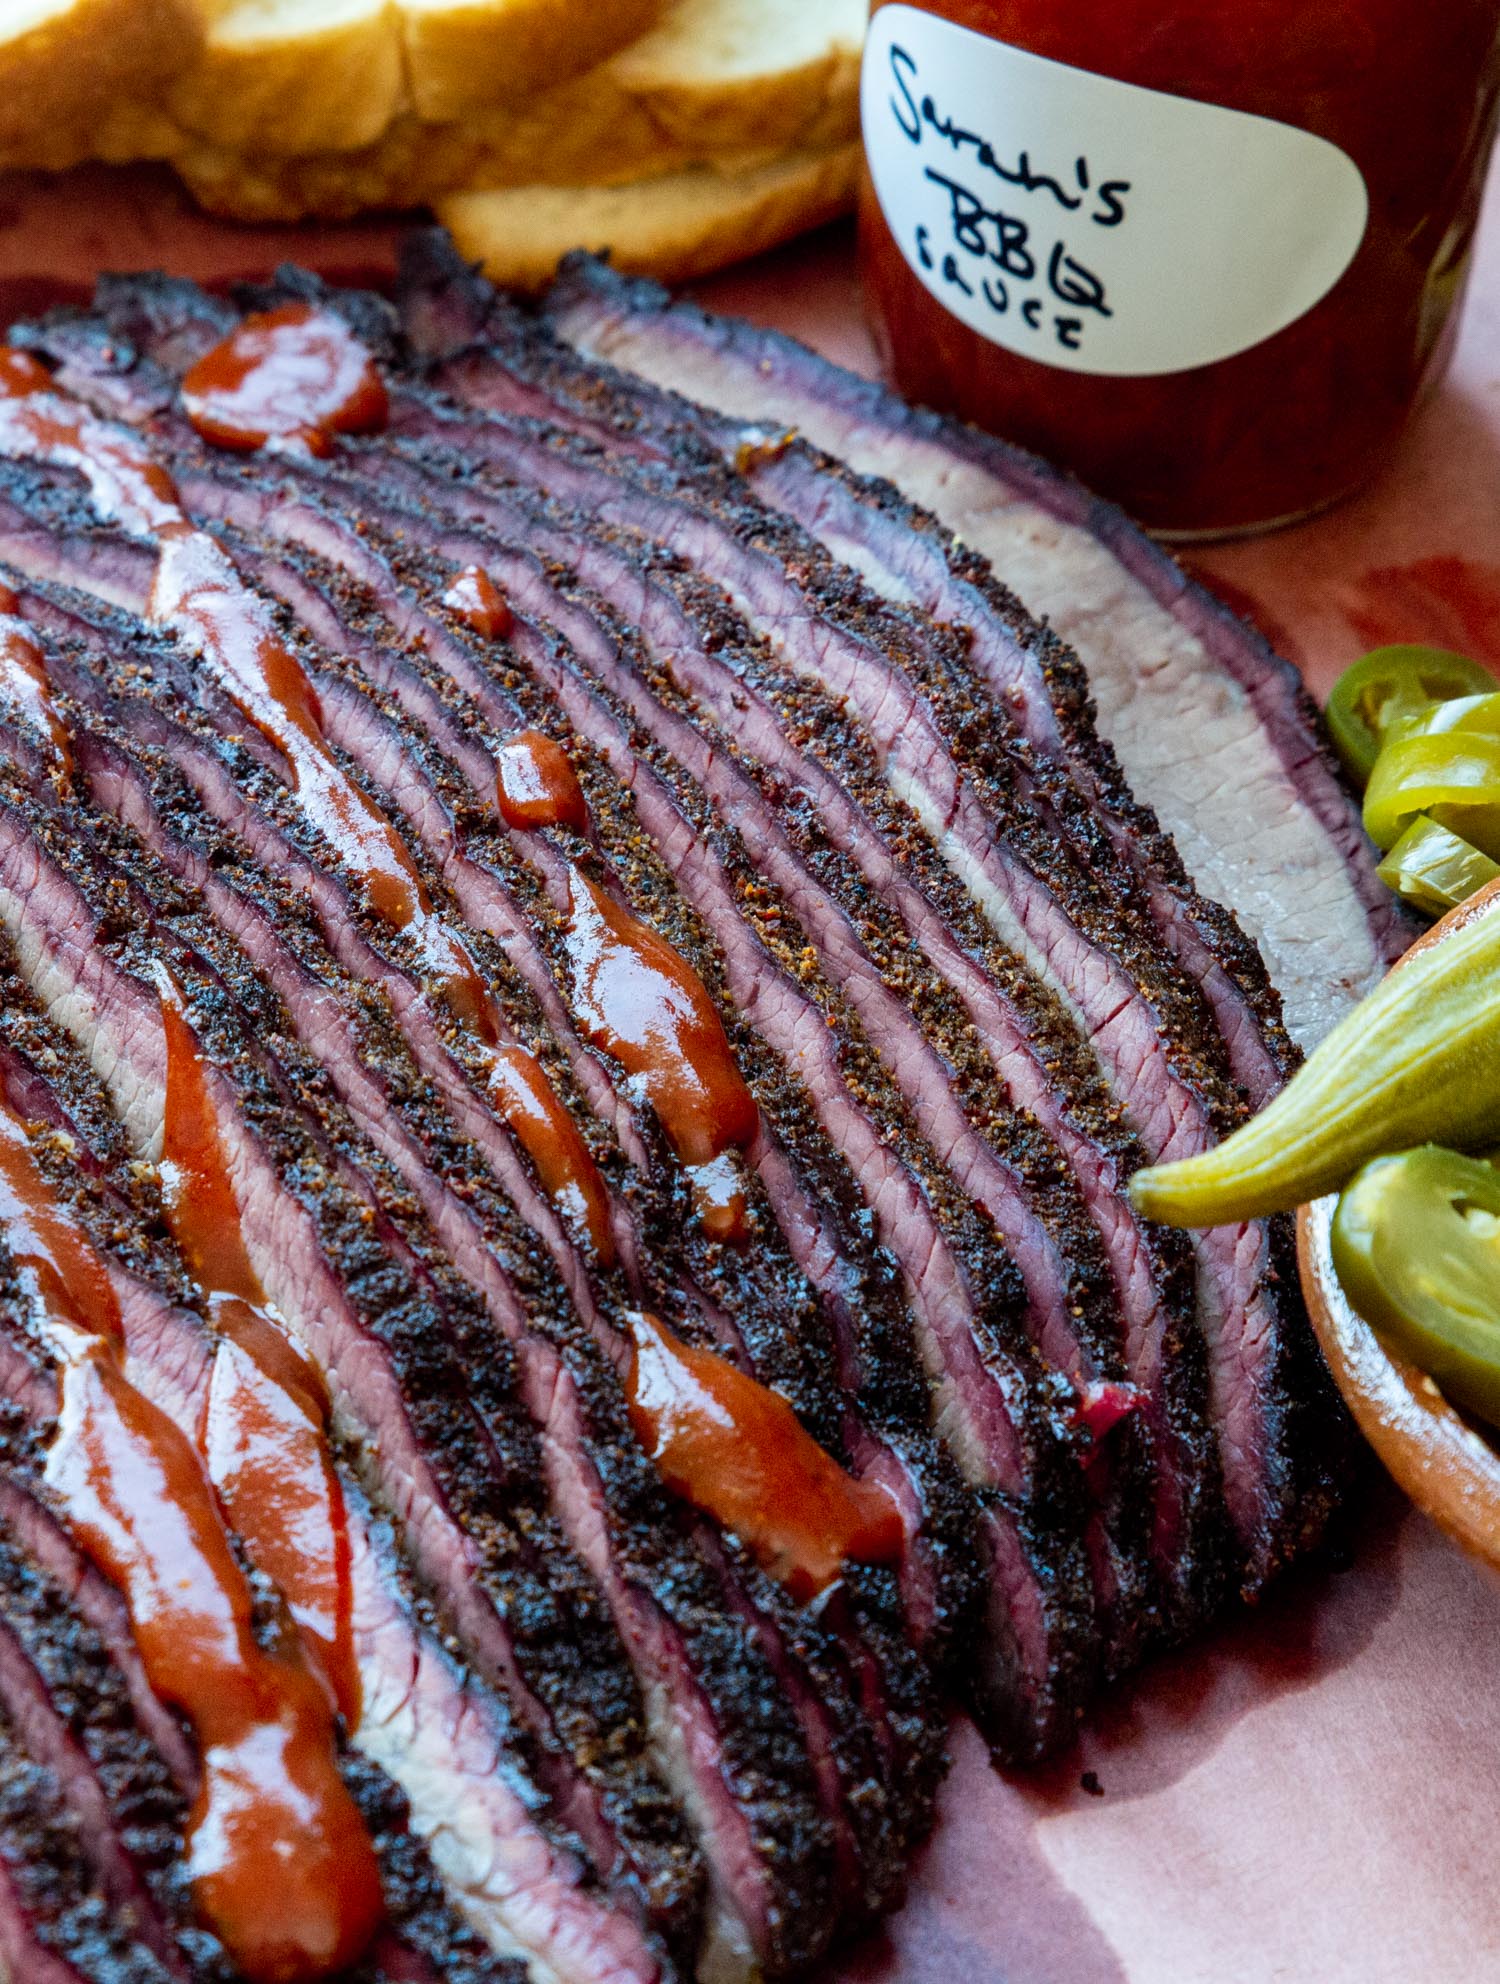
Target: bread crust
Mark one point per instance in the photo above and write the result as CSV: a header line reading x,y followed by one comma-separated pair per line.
x,y
676,227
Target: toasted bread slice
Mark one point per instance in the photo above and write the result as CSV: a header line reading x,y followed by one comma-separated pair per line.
x,y
682,225
718,79
464,56
290,76
722,76
65,64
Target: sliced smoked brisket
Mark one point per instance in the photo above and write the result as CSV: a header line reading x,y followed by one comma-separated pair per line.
x,y
834,778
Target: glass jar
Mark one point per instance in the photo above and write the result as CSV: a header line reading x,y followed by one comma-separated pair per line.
x,y
1207,253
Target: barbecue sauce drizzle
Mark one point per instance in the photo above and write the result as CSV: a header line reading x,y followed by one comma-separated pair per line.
x,y
722,1440
531,1108
293,376
24,683
642,1002
737,1451
280,1863
537,785
479,603
265,1428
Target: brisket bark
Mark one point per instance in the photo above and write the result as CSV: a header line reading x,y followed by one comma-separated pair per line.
x,y
942,748
1158,648
829,759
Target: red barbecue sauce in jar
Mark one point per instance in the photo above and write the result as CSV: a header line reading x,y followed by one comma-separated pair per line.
x,y
1183,296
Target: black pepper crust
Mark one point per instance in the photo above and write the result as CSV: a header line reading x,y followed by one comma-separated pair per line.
x,y
457,1377
889,1819
389,664
762,1752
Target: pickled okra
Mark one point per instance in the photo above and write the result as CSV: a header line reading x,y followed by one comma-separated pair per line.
x,y
1416,1062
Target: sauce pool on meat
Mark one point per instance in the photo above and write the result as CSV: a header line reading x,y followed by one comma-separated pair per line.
x,y
537,784
479,603
642,1002
737,1451
297,374
552,1140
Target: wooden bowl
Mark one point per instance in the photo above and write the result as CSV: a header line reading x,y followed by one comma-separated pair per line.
x,y
1431,1450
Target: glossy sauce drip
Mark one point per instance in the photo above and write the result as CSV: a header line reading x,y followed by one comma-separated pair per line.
x,y
201,597
272,1818
451,974
642,1002
738,1452
265,1428
537,785
297,374
719,1199
25,685
527,1102
480,604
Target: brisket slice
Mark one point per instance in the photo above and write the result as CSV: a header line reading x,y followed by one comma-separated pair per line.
x,y
469,1789
700,1646
1159,650
1229,1264
455,320
1071,921
74,1691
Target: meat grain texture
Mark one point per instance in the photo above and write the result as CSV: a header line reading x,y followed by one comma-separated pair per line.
x,y
958,926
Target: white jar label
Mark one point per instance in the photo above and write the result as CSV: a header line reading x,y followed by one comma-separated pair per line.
x,y
1091,224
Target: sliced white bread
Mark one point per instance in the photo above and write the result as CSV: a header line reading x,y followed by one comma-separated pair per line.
x,y
269,79
676,227
66,64
720,76
464,56
289,76
716,80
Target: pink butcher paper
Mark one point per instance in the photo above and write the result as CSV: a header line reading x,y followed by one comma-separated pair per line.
x,y
1313,1796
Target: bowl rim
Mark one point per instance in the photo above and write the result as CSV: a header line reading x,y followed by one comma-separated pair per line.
x,y
1447,1468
